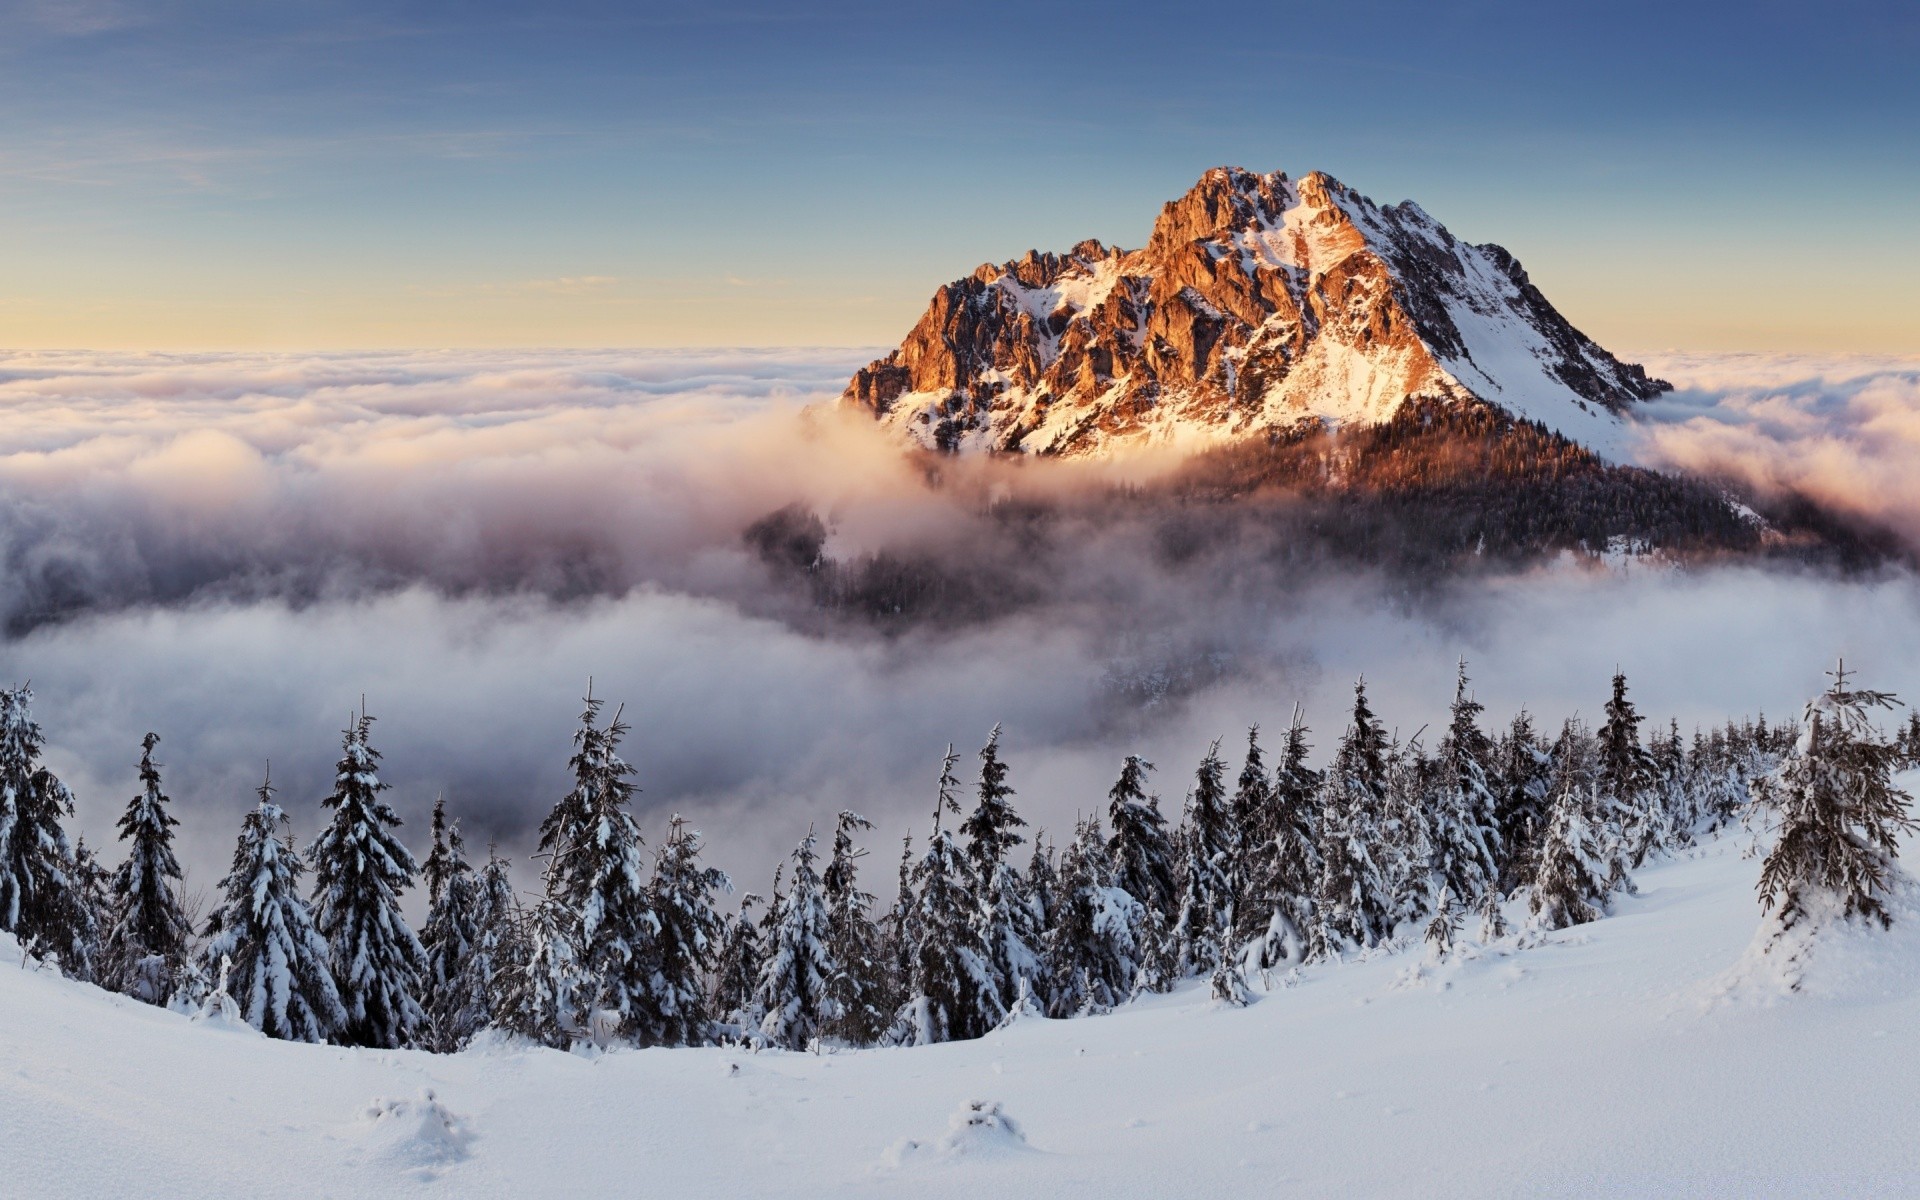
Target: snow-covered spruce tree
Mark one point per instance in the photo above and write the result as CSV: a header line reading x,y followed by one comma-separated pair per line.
x,y
1276,910
1254,827
42,901
497,922
859,987
596,872
451,936
1444,926
1143,867
537,990
148,935
1840,814
1142,858
359,870
736,974
952,995
1043,883
691,930
799,969
1523,778
1463,835
1210,845
1353,896
1627,778
1002,914
1671,784
1094,954
1578,855
279,973
1405,855
901,935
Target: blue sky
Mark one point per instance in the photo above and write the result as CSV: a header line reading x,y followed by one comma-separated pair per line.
x,y
330,173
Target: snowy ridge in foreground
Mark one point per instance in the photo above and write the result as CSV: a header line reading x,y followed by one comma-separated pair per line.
x,y
1600,1060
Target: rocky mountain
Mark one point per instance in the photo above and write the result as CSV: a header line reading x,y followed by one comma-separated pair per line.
x,y
1259,302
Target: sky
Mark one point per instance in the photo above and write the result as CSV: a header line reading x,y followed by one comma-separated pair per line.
x,y
317,174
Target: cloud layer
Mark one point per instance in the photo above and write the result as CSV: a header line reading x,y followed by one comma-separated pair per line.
x,y
241,546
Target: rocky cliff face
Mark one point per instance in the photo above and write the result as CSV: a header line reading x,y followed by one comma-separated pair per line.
x,y
1258,302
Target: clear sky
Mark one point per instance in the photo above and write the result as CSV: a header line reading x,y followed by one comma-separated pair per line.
x,y
334,173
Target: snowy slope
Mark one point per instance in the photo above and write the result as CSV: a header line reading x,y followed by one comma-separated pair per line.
x,y
1607,1060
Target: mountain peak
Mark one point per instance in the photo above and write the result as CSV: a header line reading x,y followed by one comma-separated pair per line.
x,y
1258,302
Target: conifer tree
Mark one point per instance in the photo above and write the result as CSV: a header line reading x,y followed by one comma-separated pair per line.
x,y
1627,778
953,995
737,974
858,987
1283,877
1203,929
1463,834
1840,814
263,938
148,934
1002,914
359,870
497,924
1524,778
690,934
1094,949
1143,867
537,987
596,874
902,933
1353,896
1574,871
799,967
1444,926
456,1007
42,899
1142,859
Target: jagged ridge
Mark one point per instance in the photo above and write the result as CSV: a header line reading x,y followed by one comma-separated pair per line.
x,y
1258,302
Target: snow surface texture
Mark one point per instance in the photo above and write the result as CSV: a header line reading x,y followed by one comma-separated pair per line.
x,y
1608,1059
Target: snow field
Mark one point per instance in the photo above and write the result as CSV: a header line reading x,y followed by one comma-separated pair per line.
x,y
1628,1057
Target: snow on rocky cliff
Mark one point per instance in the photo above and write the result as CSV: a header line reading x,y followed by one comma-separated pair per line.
x,y
1258,301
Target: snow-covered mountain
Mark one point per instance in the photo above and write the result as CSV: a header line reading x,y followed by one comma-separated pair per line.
x,y
1258,301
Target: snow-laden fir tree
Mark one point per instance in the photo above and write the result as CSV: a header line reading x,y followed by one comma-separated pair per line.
x,y
1283,868
1142,858
859,987
597,873
1354,904
736,973
691,929
1002,913
498,922
1094,952
455,1009
1839,812
900,933
359,870
1210,845
1578,854
263,937
537,989
147,935
1043,883
42,899
1672,785
1523,780
1627,778
794,981
1254,827
1444,926
1462,834
1144,867
952,995
1405,855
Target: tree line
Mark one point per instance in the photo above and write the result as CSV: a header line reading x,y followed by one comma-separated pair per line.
x,y
1268,869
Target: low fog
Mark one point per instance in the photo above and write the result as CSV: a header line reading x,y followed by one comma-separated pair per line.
x,y
232,550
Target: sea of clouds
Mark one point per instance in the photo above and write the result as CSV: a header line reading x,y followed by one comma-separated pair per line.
x,y
233,549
